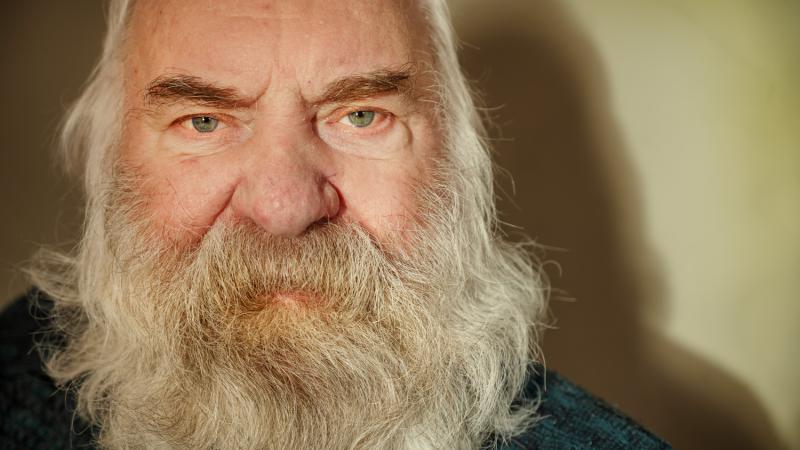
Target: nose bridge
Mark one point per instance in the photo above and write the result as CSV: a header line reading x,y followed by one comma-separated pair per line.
x,y
283,187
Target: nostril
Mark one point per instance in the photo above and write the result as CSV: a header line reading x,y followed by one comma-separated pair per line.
x,y
333,204
331,207
319,224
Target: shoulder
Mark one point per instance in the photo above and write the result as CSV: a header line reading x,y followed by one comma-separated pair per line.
x,y
36,414
573,419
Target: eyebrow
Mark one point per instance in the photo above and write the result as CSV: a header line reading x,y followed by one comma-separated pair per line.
x,y
356,87
177,88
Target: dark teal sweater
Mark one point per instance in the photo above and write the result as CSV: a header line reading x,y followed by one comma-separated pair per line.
x,y
36,415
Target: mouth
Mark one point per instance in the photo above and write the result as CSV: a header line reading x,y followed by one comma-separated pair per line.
x,y
287,300
294,298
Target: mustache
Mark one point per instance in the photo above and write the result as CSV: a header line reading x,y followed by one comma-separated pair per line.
x,y
241,268
333,262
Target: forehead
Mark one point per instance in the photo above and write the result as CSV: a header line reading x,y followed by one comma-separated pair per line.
x,y
254,40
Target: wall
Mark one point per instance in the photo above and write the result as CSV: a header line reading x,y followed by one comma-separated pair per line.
x,y
48,49
654,148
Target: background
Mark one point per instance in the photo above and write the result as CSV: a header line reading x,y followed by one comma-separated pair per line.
x,y
651,147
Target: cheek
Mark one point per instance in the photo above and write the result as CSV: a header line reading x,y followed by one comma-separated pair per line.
x,y
182,198
380,200
382,196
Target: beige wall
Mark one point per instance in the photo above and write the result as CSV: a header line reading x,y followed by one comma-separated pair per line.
x,y
658,144
654,149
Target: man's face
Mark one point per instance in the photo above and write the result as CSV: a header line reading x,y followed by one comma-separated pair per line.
x,y
283,114
250,122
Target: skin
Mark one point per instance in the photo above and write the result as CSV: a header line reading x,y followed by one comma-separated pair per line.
x,y
284,157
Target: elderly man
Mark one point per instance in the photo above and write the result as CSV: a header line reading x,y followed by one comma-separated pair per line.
x,y
289,243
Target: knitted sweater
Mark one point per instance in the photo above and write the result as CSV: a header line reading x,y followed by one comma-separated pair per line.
x,y
37,415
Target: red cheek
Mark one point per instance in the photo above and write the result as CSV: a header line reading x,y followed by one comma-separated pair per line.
x,y
185,198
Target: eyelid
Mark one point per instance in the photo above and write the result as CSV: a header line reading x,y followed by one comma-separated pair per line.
x,y
341,113
223,119
229,129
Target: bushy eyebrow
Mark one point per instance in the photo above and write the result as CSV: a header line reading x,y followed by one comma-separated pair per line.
x,y
360,86
176,88
168,89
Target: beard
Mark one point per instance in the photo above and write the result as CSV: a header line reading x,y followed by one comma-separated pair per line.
x,y
327,340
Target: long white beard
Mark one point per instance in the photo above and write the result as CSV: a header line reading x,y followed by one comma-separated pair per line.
x,y
174,347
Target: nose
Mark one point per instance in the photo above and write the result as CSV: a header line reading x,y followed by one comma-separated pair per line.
x,y
284,189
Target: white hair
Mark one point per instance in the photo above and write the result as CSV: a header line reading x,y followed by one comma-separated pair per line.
x,y
507,292
92,125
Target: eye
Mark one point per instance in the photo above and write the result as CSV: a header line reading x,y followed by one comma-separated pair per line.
x,y
361,119
204,124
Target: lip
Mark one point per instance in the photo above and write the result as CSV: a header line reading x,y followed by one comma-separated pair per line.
x,y
293,298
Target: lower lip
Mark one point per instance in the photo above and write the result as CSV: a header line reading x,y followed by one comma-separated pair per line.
x,y
293,298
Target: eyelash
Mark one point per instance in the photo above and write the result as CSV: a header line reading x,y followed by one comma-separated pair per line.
x,y
381,117
186,121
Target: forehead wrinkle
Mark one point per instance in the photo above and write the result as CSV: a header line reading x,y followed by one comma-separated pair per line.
x,y
310,74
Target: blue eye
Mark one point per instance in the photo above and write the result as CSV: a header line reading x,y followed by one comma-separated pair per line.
x,y
361,119
204,124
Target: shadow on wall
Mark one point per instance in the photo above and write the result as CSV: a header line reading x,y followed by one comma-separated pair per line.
x,y
574,189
